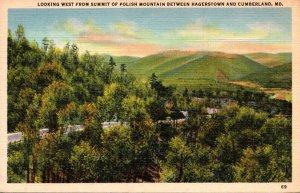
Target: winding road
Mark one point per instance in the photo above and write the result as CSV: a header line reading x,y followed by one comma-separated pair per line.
x,y
15,137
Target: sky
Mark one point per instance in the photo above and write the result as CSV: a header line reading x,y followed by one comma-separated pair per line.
x,y
145,31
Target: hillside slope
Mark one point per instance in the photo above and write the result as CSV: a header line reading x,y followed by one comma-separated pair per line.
x,y
160,62
215,66
121,59
271,60
276,77
178,65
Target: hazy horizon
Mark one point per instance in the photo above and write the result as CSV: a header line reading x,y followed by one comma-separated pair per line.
x,y
142,32
165,51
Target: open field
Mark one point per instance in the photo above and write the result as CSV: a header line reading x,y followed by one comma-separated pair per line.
x,y
245,84
280,94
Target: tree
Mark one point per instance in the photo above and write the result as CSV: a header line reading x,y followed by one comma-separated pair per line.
x,y
52,54
247,122
262,165
194,124
111,102
161,90
277,132
45,44
123,68
30,130
20,34
74,53
92,119
153,81
70,115
23,59
156,109
178,157
45,75
55,98
53,153
83,160
69,58
143,134
135,108
84,85
117,155
185,93
225,159
111,65
16,163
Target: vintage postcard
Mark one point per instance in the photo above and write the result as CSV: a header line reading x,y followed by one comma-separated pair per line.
x,y
150,96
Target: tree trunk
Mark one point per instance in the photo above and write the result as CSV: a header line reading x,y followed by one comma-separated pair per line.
x,y
180,173
233,151
28,172
34,170
44,174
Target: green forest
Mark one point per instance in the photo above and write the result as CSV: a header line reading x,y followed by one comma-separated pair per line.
x,y
212,132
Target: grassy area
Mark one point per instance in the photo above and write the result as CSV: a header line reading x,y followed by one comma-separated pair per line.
x,y
245,84
288,97
196,84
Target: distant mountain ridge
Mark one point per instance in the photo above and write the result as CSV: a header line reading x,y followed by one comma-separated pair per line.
x,y
271,60
208,66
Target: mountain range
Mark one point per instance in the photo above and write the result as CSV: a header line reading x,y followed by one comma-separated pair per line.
x,y
183,67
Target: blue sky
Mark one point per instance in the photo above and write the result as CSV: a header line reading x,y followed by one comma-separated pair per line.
x,y
140,32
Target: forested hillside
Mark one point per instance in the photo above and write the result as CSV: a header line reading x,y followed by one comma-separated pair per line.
x,y
165,134
276,77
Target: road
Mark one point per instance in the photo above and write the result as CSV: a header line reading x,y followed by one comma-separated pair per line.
x,y
110,124
14,137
